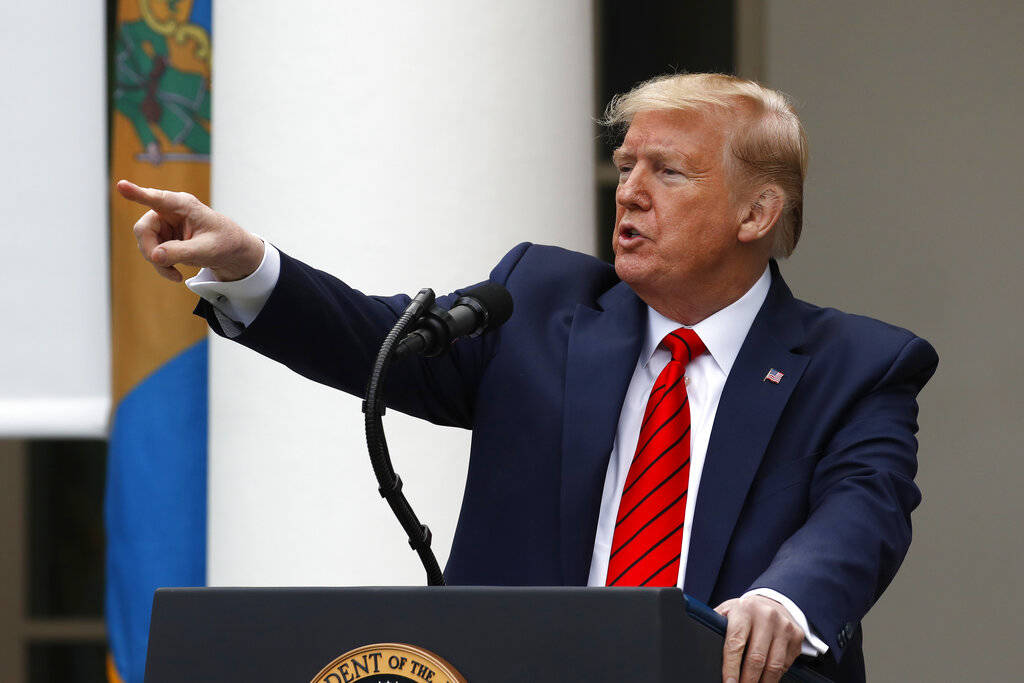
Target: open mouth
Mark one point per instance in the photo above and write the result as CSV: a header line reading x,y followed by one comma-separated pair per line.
x,y
629,233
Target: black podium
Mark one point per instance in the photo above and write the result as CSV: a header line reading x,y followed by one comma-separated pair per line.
x,y
489,635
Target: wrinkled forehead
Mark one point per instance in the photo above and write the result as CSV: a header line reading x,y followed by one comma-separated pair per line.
x,y
698,134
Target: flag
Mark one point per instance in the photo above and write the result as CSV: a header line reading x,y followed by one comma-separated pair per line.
x,y
155,507
774,376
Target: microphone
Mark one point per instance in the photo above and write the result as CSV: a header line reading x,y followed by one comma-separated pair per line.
x,y
481,309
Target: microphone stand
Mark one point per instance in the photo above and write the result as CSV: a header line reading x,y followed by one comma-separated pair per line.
x,y
373,408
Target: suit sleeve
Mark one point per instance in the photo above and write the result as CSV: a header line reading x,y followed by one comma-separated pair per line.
x,y
862,493
321,328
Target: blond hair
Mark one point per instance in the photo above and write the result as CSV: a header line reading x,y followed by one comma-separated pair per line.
x,y
770,146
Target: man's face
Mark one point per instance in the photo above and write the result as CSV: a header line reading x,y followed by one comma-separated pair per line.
x,y
676,222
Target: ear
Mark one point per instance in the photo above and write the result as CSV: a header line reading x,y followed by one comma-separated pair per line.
x,y
762,213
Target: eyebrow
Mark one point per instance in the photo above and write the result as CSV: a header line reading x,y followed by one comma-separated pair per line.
x,y
620,155
657,153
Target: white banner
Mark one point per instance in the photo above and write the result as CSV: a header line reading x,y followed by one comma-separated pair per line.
x,y
54,303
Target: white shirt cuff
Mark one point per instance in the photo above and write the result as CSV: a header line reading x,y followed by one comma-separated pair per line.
x,y
812,645
241,300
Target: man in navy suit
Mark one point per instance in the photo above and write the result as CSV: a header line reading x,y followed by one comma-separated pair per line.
x,y
786,472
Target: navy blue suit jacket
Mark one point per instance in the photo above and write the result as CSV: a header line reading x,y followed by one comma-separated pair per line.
x,y
807,487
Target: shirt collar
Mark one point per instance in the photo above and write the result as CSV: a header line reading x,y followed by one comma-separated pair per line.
x,y
722,333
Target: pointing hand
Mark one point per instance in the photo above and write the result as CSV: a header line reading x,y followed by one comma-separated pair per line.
x,y
178,228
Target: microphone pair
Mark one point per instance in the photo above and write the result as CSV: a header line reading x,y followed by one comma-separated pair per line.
x,y
480,309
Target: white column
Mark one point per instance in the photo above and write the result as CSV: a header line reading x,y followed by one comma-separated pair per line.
x,y
398,145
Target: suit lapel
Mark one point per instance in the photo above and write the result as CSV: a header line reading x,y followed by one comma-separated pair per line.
x,y
603,347
748,411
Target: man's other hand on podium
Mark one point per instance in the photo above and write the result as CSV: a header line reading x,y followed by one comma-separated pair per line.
x,y
762,639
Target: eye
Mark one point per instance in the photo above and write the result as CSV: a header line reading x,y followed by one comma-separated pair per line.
x,y
624,169
671,171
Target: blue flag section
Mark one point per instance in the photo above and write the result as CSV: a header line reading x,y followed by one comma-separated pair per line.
x,y
156,500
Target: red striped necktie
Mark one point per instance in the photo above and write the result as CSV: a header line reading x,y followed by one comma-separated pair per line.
x,y
648,533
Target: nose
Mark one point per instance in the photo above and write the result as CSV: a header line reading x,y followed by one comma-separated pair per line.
x,y
631,192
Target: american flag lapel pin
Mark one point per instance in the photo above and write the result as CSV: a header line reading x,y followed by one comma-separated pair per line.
x,y
774,376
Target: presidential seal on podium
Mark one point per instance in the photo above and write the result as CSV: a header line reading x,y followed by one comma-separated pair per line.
x,y
389,663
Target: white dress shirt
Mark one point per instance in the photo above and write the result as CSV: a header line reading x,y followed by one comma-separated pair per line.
x,y
722,333
237,303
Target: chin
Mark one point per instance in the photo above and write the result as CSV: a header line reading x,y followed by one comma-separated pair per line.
x,y
630,269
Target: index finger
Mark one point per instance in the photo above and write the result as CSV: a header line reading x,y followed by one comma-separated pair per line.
x,y
736,634
160,200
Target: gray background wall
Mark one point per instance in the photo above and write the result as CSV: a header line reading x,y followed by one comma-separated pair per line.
x,y
913,215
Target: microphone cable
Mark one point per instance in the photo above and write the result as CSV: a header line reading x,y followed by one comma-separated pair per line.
x,y
373,409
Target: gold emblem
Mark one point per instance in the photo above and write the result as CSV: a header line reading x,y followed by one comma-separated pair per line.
x,y
390,662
